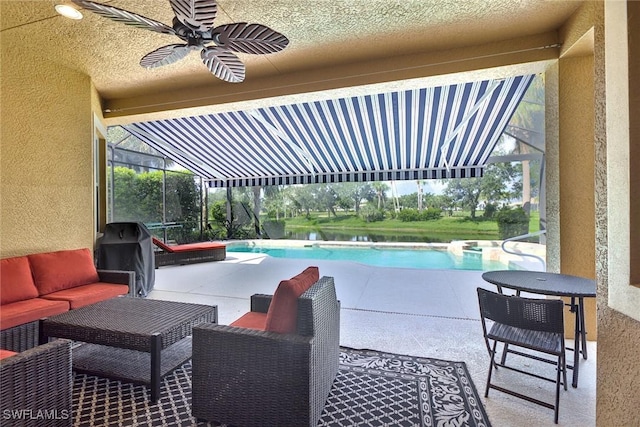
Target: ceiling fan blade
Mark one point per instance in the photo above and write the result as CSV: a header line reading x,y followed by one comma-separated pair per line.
x,y
195,14
249,38
165,55
223,64
125,17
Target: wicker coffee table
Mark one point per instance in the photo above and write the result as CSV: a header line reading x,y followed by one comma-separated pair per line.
x,y
132,339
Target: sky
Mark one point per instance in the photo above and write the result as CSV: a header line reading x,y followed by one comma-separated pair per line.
x,y
433,186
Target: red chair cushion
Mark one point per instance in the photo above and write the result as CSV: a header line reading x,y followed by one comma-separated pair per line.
x,y
54,271
283,310
188,247
252,320
20,312
6,353
161,245
16,283
88,294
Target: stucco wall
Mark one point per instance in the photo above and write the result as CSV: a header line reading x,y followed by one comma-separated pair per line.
x,y
622,108
46,152
576,177
577,218
570,159
552,166
618,386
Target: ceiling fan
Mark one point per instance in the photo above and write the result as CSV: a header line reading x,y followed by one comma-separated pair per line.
x,y
193,24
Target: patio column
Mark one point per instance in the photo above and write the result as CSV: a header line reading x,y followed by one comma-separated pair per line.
x,y
571,165
577,178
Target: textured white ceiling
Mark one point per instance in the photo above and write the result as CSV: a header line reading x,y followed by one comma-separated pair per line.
x,y
322,33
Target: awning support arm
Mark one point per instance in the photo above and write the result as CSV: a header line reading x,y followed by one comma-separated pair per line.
x,y
468,117
306,156
166,147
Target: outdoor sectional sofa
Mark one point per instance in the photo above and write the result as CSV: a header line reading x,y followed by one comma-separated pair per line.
x,y
41,285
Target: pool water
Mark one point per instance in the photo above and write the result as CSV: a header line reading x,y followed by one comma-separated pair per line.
x,y
380,257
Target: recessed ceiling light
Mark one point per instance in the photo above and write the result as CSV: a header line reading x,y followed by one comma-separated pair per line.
x,y
68,11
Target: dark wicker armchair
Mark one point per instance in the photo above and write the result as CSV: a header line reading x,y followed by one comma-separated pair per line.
x,y
250,377
36,385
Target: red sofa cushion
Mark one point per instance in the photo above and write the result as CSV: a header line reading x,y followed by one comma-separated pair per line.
x,y
6,353
88,294
16,282
187,247
54,271
20,312
283,310
252,320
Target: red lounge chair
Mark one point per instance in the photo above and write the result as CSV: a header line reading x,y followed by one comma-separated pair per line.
x,y
188,253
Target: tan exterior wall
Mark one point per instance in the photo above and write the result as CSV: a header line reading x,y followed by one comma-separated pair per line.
x,y
577,215
622,173
576,177
618,385
570,210
46,165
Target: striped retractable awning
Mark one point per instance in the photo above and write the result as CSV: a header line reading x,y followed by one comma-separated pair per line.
x,y
430,133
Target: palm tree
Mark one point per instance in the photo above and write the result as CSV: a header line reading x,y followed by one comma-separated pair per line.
x,y
381,192
394,195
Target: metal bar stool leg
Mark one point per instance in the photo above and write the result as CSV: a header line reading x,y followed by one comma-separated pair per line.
x,y
583,328
576,345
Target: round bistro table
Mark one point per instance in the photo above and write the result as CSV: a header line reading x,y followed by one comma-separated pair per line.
x,y
553,284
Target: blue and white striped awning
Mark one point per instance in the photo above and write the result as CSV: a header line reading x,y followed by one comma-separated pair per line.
x,y
430,133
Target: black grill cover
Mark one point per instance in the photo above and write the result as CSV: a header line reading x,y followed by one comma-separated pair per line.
x,y
128,246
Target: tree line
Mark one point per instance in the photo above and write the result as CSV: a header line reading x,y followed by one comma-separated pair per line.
x,y
137,196
501,183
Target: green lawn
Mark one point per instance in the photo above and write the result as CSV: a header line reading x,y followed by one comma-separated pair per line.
x,y
457,227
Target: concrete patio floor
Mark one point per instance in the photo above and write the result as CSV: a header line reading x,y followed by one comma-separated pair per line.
x,y
428,313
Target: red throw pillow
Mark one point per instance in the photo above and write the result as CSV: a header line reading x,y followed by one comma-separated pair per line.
x,y
54,271
283,310
16,283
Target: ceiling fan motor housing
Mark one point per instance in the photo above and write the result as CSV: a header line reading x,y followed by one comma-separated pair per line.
x,y
192,36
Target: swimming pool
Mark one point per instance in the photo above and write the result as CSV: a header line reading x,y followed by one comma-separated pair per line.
x,y
377,256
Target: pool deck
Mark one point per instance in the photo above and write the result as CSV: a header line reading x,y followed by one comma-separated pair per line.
x,y
430,313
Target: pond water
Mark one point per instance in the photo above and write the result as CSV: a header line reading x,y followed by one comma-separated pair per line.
x,y
331,235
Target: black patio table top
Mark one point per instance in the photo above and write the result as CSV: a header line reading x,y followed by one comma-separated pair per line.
x,y
543,283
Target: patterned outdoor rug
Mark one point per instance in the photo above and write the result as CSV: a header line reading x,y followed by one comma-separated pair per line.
x,y
371,389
